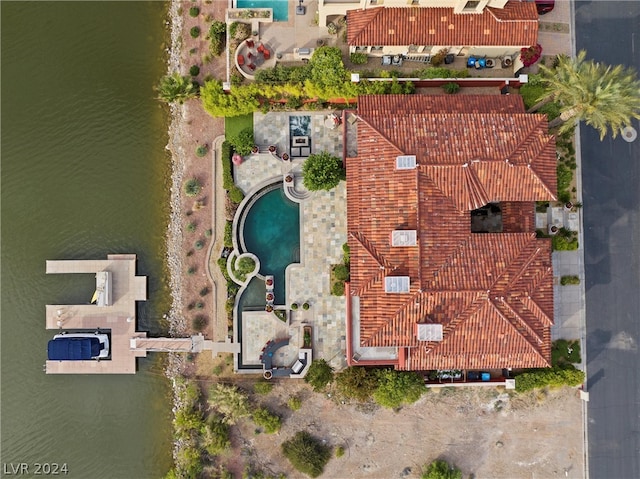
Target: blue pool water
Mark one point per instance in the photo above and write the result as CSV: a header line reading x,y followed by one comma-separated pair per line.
x,y
280,7
272,233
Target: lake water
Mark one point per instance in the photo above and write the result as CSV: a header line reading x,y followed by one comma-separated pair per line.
x,y
84,174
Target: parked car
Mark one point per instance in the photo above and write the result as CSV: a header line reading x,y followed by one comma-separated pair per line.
x,y
544,6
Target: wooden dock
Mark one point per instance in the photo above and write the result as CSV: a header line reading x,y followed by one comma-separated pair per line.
x,y
118,318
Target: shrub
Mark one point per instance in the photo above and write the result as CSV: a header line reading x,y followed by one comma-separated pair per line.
x,y
201,150
217,36
438,58
191,270
322,171
440,469
396,388
294,403
199,322
306,306
192,187
266,419
565,175
208,233
359,58
194,32
356,382
230,402
565,240
565,352
306,453
294,306
199,305
194,71
337,289
191,227
236,195
552,377
346,253
320,374
243,142
245,265
204,291
199,244
341,272
451,88
194,11
215,437
262,387
569,280
530,55
294,102
439,72
228,234
339,451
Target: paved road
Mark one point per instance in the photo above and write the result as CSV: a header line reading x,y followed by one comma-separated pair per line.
x,y
610,32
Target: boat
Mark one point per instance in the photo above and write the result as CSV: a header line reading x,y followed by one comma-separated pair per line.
x,y
102,295
78,347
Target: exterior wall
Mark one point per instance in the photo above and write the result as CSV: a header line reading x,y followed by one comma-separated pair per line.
x,y
488,51
327,8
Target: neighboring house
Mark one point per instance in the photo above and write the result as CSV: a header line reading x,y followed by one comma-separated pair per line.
x,y
446,269
329,10
425,31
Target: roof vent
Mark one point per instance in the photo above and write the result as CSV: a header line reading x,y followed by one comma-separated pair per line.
x,y
404,238
406,162
396,284
429,332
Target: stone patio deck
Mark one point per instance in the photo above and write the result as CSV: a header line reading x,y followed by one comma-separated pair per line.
x,y
323,231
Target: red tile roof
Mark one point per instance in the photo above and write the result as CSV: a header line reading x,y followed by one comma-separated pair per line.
x,y
514,25
492,292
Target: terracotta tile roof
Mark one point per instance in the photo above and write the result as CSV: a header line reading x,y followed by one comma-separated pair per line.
x,y
492,292
515,24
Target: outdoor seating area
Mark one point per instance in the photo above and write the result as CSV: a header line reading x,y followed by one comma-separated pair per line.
x,y
252,54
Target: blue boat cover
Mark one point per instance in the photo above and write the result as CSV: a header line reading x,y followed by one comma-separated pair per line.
x,y
73,349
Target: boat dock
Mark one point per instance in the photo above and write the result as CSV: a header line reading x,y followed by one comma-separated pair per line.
x,y
115,316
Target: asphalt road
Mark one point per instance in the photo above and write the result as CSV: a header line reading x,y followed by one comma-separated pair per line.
x,y
610,32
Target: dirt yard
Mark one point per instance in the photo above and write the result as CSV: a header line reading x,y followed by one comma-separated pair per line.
x,y
485,432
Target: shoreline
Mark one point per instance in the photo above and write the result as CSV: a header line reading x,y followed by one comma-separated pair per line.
x,y
174,228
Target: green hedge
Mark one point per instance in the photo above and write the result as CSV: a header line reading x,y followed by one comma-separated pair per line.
x,y
235,194
228,234
551,377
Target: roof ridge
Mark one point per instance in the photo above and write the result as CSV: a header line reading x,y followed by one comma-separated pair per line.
x,y
518,324
523,266
369,122
478,196
535,309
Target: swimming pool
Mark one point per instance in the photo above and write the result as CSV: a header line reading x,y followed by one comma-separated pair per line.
x,y
280,7
271,231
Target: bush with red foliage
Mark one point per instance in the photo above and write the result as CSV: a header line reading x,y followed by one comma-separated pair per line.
x,y
530,55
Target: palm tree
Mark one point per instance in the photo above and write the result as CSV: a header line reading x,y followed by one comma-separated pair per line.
x,y
175,87
603,96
